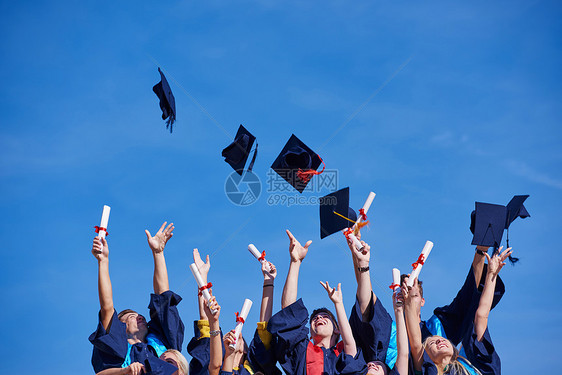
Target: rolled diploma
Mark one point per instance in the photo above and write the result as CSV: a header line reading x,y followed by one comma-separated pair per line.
x,y
396,283
416,272
243,314
356,242
200,283
366,207
104,221
255,252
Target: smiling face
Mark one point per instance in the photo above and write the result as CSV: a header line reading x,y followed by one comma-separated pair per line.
x,y
321,326
438,349
136,324
376,368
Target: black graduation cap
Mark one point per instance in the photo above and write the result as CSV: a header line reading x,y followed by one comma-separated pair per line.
x,y
167,101
156,366
334,209
238,151
488,221
297,163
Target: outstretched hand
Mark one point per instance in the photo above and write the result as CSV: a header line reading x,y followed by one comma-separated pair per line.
x,y
158,242
269,271
496,262
100,250
297,251
335,295
203,267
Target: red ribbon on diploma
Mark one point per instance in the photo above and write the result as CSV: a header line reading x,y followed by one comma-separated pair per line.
x,y
262,257
362,214
305,176
392,286
420,260
347,232
239,319
98,228
208,286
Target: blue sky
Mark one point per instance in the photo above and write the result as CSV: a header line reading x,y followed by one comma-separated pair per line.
x,y
464,106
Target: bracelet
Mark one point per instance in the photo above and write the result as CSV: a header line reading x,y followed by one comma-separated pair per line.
x,y
363,269
215,333
264,285
480,252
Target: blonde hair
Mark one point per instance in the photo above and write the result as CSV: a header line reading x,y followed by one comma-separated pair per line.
x,y
182,362
455,366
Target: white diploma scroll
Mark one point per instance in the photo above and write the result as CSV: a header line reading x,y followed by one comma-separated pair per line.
x,y
365,209
419,263
200,283
256,253
243,315
102,231
396,284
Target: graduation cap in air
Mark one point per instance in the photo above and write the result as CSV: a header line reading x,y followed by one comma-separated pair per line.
x,y
335,212
488,221
156,366
167,101
236,154
297,163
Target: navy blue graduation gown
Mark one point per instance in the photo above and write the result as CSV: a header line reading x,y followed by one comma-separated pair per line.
x,y
297,355
260,355
165,331
482,354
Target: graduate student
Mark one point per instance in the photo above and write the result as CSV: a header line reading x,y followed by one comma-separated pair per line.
x,y
321,354
438,355
126,340
258,358
372,325
199,346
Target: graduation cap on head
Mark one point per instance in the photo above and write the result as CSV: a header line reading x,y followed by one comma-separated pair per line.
x,y
488,221
236,154
297,163
335,213
167,101
156,366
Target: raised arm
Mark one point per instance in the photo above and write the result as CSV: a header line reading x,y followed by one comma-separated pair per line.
x,y
478,263
361,261
411,314
100,250
267,294
215,361
401,335
203,268
336,297
298,253
157,244
229,353
495,264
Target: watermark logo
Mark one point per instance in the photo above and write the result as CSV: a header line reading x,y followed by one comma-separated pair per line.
x,y
242,190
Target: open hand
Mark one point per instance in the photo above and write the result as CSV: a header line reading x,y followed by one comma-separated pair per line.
x,y
158,242
297,251
203,267
496,262
334,294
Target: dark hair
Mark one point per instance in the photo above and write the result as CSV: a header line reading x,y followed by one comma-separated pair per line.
x,y
419,283
326,311
126,311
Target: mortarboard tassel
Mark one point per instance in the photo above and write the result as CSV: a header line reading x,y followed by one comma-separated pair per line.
x,y
305,176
